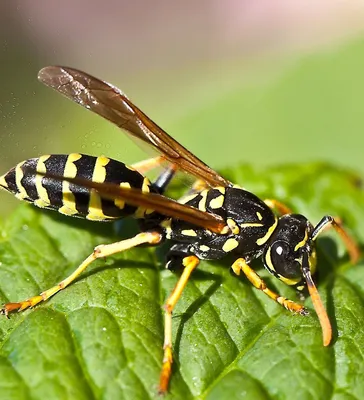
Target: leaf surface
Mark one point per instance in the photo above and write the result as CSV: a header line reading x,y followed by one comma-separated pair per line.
x,y
101,338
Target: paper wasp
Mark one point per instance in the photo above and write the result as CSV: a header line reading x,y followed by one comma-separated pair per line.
x,y
215,218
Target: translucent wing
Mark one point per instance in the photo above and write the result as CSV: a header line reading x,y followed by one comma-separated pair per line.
x,y
161,204
109,102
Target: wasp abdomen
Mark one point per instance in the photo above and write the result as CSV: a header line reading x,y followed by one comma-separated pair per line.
x,y
71,199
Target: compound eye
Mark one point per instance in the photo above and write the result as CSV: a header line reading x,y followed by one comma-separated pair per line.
x,y
279,252
282,259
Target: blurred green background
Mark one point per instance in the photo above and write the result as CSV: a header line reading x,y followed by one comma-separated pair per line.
x,y
235,84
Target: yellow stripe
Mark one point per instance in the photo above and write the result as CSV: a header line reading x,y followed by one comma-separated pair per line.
x,y
289,281
99,175
166,224
302,242
251,225
268,259
3,181
202,202
18,177
217,202
43,200
145,189
119,202
312,261
263,239
146,185
186,199
95,208
68,199
70,169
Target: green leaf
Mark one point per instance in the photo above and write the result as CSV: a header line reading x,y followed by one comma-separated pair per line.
x,y
101,338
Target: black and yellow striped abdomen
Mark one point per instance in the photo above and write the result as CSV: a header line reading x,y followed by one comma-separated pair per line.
x,y
68,198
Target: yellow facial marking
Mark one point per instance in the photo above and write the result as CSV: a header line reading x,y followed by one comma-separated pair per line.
x,y
202,203
289,281
230,245
204,248
233,226
217,202
302,242
312,261
259,215
268,259
189,232
221,189
263,239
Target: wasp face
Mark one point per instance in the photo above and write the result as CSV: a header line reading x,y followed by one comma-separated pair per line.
x,y
283,255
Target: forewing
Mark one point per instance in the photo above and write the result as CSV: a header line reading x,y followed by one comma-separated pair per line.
x,y
109,102
150,201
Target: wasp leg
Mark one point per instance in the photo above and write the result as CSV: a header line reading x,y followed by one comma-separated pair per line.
x,y
164,178
198,186
277,205
146,165
241,265
101,251
189,263
329,221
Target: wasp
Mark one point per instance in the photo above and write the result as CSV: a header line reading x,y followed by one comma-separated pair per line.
x,y
213,219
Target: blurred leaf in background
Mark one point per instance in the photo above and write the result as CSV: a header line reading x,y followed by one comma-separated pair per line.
x,y
271,81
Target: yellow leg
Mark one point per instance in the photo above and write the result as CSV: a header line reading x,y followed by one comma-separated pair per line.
x,y
190,263
277,205
257,281
101,251
146,165
199,185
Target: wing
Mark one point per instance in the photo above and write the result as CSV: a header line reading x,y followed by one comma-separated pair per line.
x,y
109,102
152,201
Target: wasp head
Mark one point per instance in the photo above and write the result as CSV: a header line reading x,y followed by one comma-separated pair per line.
x,y
289,247
291,256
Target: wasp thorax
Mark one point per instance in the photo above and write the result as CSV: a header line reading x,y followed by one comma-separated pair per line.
x,y
283,254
